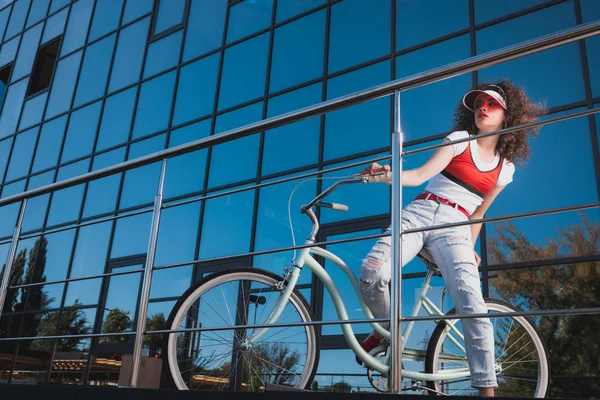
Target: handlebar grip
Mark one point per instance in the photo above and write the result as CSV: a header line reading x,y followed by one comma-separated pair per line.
x,y
381,177
339,207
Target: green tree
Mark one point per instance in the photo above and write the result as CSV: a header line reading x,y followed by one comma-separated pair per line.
x,y
116,321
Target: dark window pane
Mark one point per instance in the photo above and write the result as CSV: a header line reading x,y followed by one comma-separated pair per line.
x,y
20,159
301,136
170,13
55,26
9,51
45,64
66,203
415,124
247,17
196,89
129,55
593,54
154,105
35,213
77,27
61,92
116,119
485,11
298,46
33,110
44,297
91,250
81,132
136,8
24,258
94,71
33,355
345,129
289,8
57,256
410,15
17,18
590,10
244,70
12,107
102,193
106,18
83,293
131,236
49,144
244,151
348,45
27,52
170,283
228,217
37,12
190,133
163,54
185,174
4,76
206,24
177,235
121,301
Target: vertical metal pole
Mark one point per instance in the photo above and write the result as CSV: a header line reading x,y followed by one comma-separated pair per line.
x,y
11,255
396,306
148,268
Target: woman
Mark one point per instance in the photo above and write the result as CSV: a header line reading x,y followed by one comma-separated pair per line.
x,y
464,179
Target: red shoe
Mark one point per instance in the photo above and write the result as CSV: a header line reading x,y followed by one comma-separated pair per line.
x,y
369,344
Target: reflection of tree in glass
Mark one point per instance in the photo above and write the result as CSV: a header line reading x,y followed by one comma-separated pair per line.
x,y
154,342
116,321
271,363
571,341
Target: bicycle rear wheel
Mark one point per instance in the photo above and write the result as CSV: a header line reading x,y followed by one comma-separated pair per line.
x,y
522,368
227,359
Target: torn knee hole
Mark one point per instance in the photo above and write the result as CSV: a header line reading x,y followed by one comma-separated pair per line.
x,y
458,240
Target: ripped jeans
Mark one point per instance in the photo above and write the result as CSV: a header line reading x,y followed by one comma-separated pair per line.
x,y
452,251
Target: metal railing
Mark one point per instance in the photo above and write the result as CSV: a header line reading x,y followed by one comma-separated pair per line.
x,y
394,87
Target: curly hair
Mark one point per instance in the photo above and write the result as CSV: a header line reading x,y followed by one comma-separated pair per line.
x,y
521,110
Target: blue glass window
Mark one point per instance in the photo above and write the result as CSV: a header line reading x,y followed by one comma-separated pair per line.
x,y
348,45
106,18
91,250
55,26
13,188
485,10
66,203
136,8
244,151
20,159
37,12
177,234
8,216
206,23
294,145
129,55
163,54
61,92
140,186
13,102
593,53
35,213
58,254
154,105
3,20
94,71
170,13
27,52
410,15
247,17
5,146
196,89
102,193
289,8
147,146
49,144
590,10
81,132
190,133
83,293
346,130
185,174
244,72
77,27
131,236
116,119
447,93
17,18
58,4
9,50
228,217
33,110
298,46
170,282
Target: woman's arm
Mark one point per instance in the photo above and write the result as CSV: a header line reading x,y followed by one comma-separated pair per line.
x,y
481,210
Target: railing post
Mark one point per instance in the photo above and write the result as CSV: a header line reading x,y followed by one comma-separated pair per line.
x,y
395,378
145,293
11,255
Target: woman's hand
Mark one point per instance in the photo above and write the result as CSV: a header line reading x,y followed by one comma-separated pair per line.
x,y
477,259
375,168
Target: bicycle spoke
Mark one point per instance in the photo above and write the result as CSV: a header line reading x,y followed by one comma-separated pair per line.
x,y
517,341
522,347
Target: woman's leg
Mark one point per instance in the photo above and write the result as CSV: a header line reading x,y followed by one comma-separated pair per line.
x,y
452,251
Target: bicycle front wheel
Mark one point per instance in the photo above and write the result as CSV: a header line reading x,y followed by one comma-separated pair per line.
x,y
230,359
522,368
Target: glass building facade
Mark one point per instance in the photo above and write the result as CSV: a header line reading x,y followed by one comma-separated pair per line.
x,y
88,84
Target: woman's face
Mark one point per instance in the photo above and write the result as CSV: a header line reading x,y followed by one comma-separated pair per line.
x,y
489,114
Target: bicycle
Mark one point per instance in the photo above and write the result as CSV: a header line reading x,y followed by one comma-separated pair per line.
x,y
251,358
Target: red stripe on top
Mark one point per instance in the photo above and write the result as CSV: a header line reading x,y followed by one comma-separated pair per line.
x,y
464,169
